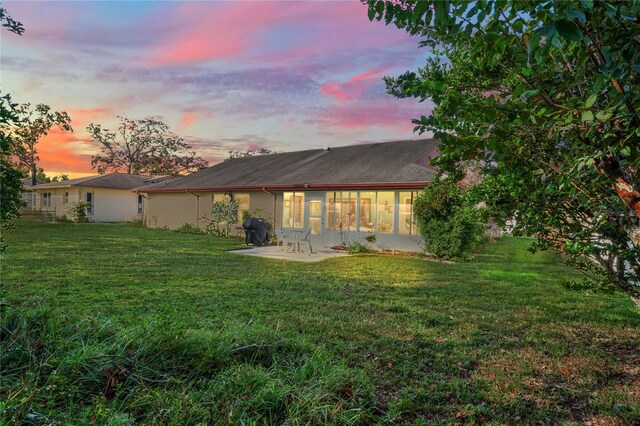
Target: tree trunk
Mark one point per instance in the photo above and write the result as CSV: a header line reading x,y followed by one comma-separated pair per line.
x,y
624,187
34,179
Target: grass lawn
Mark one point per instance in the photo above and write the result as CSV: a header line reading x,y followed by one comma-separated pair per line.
x,y
112,324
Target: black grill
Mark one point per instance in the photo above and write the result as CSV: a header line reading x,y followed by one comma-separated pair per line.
x,y
256,231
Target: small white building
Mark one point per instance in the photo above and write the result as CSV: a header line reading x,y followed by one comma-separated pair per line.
x,y
108,197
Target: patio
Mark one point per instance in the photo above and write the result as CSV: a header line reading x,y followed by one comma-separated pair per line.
x,y
277,252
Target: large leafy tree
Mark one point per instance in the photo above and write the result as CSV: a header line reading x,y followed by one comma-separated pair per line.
x,y
249,153
33,124
144,146
544,98
10,175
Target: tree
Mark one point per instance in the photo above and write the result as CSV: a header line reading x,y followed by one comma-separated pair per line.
x,y
35,123
450,226
544,98
249,153
10,175
143,146
42,176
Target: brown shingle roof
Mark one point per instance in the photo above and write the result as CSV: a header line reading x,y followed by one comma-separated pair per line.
x,y
111,180
401,163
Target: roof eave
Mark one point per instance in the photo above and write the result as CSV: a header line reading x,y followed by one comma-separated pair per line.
x,y
286,187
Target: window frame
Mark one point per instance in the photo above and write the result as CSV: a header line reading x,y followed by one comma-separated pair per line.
x,y
293,206
90,204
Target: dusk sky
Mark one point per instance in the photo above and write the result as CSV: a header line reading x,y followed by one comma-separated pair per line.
x,y
237,75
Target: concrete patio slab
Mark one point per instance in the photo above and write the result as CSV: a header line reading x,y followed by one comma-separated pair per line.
x,y
274,252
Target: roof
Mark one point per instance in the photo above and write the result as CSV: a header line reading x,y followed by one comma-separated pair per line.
x,y
390,164
27,183
111,180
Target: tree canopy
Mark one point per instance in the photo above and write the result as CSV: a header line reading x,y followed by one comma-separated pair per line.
x,y
144,146
33,124
543,97
10,175
249,153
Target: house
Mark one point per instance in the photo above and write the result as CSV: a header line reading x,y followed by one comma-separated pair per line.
x,y
341,194
28,196
108,197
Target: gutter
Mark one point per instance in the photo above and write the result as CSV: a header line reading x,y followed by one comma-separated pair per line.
x,y
197,207
284,187
275,207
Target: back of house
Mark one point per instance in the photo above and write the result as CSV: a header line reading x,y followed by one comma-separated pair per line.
x,y
108,197
341,194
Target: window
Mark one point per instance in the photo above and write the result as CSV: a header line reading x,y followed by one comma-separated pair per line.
x,y
243,206
341,211
348,210
46,199
220,196
406,219
140,204
65,198
367,212
90,200
333,210
293,210
385,212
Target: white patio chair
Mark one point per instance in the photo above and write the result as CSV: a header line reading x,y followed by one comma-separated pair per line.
x,y
306,238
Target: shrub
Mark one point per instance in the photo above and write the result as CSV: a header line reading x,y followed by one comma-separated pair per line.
x,y
138,222
356,247
63,219
223,215
189,228
449,226
78,211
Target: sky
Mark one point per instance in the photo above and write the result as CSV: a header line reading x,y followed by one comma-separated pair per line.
x,y
225,75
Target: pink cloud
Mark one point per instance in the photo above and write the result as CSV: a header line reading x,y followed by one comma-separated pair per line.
x,y
352,88
386,112
214,31
58,151
82,117
188,118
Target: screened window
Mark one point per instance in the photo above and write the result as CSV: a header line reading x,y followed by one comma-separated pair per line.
x,y
243,206
65,198
220,196
385,212
140,204
406,220
367,211
46,199
293,210
90,201
341,210
333,211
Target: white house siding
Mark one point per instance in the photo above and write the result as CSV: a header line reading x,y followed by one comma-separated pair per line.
x,y
109,205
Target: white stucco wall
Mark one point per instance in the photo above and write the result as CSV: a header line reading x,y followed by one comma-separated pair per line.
x,y
109,205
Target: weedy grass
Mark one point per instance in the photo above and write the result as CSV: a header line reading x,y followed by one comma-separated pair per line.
x,y
114,324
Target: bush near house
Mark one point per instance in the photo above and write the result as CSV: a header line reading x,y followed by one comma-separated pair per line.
x,y
78,211
450,227
183,332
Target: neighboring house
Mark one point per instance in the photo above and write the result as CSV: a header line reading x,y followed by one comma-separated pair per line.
x,y
342,194
108,197
28,196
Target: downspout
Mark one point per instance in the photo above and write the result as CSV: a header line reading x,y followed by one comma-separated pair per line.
x,y
197,207
274,206
144,207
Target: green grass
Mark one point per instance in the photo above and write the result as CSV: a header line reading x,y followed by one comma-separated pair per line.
x,y
121,325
